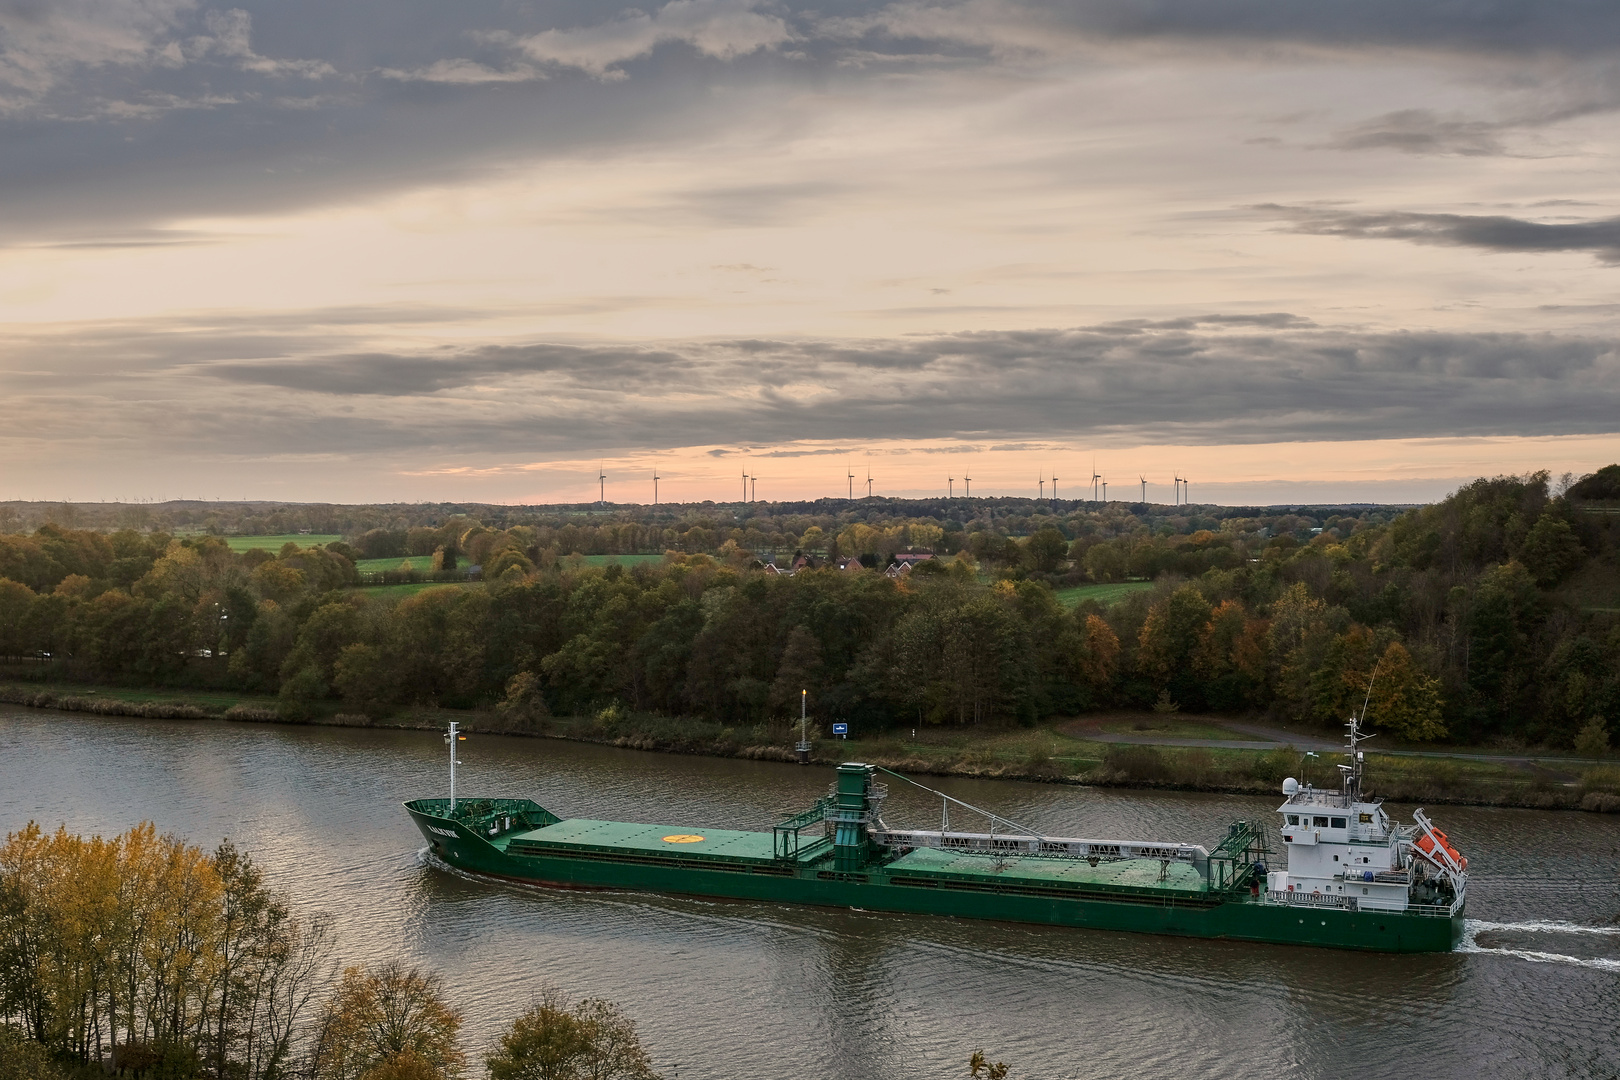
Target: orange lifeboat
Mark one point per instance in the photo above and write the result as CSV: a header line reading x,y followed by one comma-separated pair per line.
x,y
1427,847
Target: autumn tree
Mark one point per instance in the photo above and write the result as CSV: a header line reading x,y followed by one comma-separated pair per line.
x,y
374,1018
1405,701
143,952
1098,660
1232,657
1168,640
553,1040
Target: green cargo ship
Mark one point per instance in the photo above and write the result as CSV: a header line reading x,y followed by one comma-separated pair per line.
x,y
1355,880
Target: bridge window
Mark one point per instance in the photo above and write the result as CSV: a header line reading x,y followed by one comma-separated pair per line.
x,y
1338,823
1293,819
1320,823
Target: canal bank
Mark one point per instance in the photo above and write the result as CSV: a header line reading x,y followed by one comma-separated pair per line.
x,y
1084,751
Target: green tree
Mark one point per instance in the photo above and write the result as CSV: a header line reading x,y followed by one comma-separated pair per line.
x,y
363,676
1504,615
21,1058
1169,640
15,600
799,669
1104,562
1551,550
1045,549
1593,739
591,1040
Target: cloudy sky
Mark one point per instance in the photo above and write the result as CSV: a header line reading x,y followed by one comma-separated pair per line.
x,y
402,249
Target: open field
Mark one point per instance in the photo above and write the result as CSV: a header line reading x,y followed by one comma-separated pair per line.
x,y
1103,594
410,589
625,560
372,566
275,543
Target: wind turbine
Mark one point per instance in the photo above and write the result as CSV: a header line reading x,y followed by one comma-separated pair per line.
x,y
851,479
1105,491
1054,489
1144,487
601,481
1186,491
868,483
968,480
655,487
1095,476
753,488
1043,486
950,488
745,485
1178,491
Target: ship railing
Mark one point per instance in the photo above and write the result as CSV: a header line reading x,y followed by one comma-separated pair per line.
x,y
1438,911
1315,900
785,835
1060,846
1352,903
493,817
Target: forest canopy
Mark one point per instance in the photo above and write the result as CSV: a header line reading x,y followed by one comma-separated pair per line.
x,y
1494,613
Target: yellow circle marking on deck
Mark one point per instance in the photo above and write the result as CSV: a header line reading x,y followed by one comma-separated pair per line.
x,y
682,838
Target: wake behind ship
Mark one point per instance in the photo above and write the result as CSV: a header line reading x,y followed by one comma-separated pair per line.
x,y
1355,878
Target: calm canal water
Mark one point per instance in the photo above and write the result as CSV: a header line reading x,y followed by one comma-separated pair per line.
x,y
741,990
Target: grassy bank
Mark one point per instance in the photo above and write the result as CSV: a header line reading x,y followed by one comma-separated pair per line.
x,y
1050,753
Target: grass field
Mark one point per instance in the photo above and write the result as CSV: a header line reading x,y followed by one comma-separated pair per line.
x,y
418,562
1151,725
275,543
1103,594
218,700
627,560
377,592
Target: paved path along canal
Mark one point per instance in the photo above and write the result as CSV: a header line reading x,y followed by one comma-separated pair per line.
x,y
742,990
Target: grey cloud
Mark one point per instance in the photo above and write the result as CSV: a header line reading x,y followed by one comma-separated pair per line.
x,y
1213,379
44,41
748,205
136,111
1514,27
1495,232
1421,131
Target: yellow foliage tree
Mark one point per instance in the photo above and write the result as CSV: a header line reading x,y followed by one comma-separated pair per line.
x,y
1405,700
373,1019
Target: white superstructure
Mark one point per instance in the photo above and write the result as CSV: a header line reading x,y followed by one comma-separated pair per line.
x,y
1345,851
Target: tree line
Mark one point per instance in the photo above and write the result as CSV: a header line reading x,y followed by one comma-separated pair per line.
x,y
1492,614
145,956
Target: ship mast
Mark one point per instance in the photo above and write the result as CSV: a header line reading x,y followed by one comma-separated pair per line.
x,y
1352,772
451,738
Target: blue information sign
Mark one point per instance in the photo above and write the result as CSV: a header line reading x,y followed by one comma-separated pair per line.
x,y
840,729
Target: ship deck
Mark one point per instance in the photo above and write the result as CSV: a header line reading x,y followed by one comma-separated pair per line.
x,y
1132,874
630,839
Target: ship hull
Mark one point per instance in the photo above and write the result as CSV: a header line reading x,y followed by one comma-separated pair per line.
x,y
1231,915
